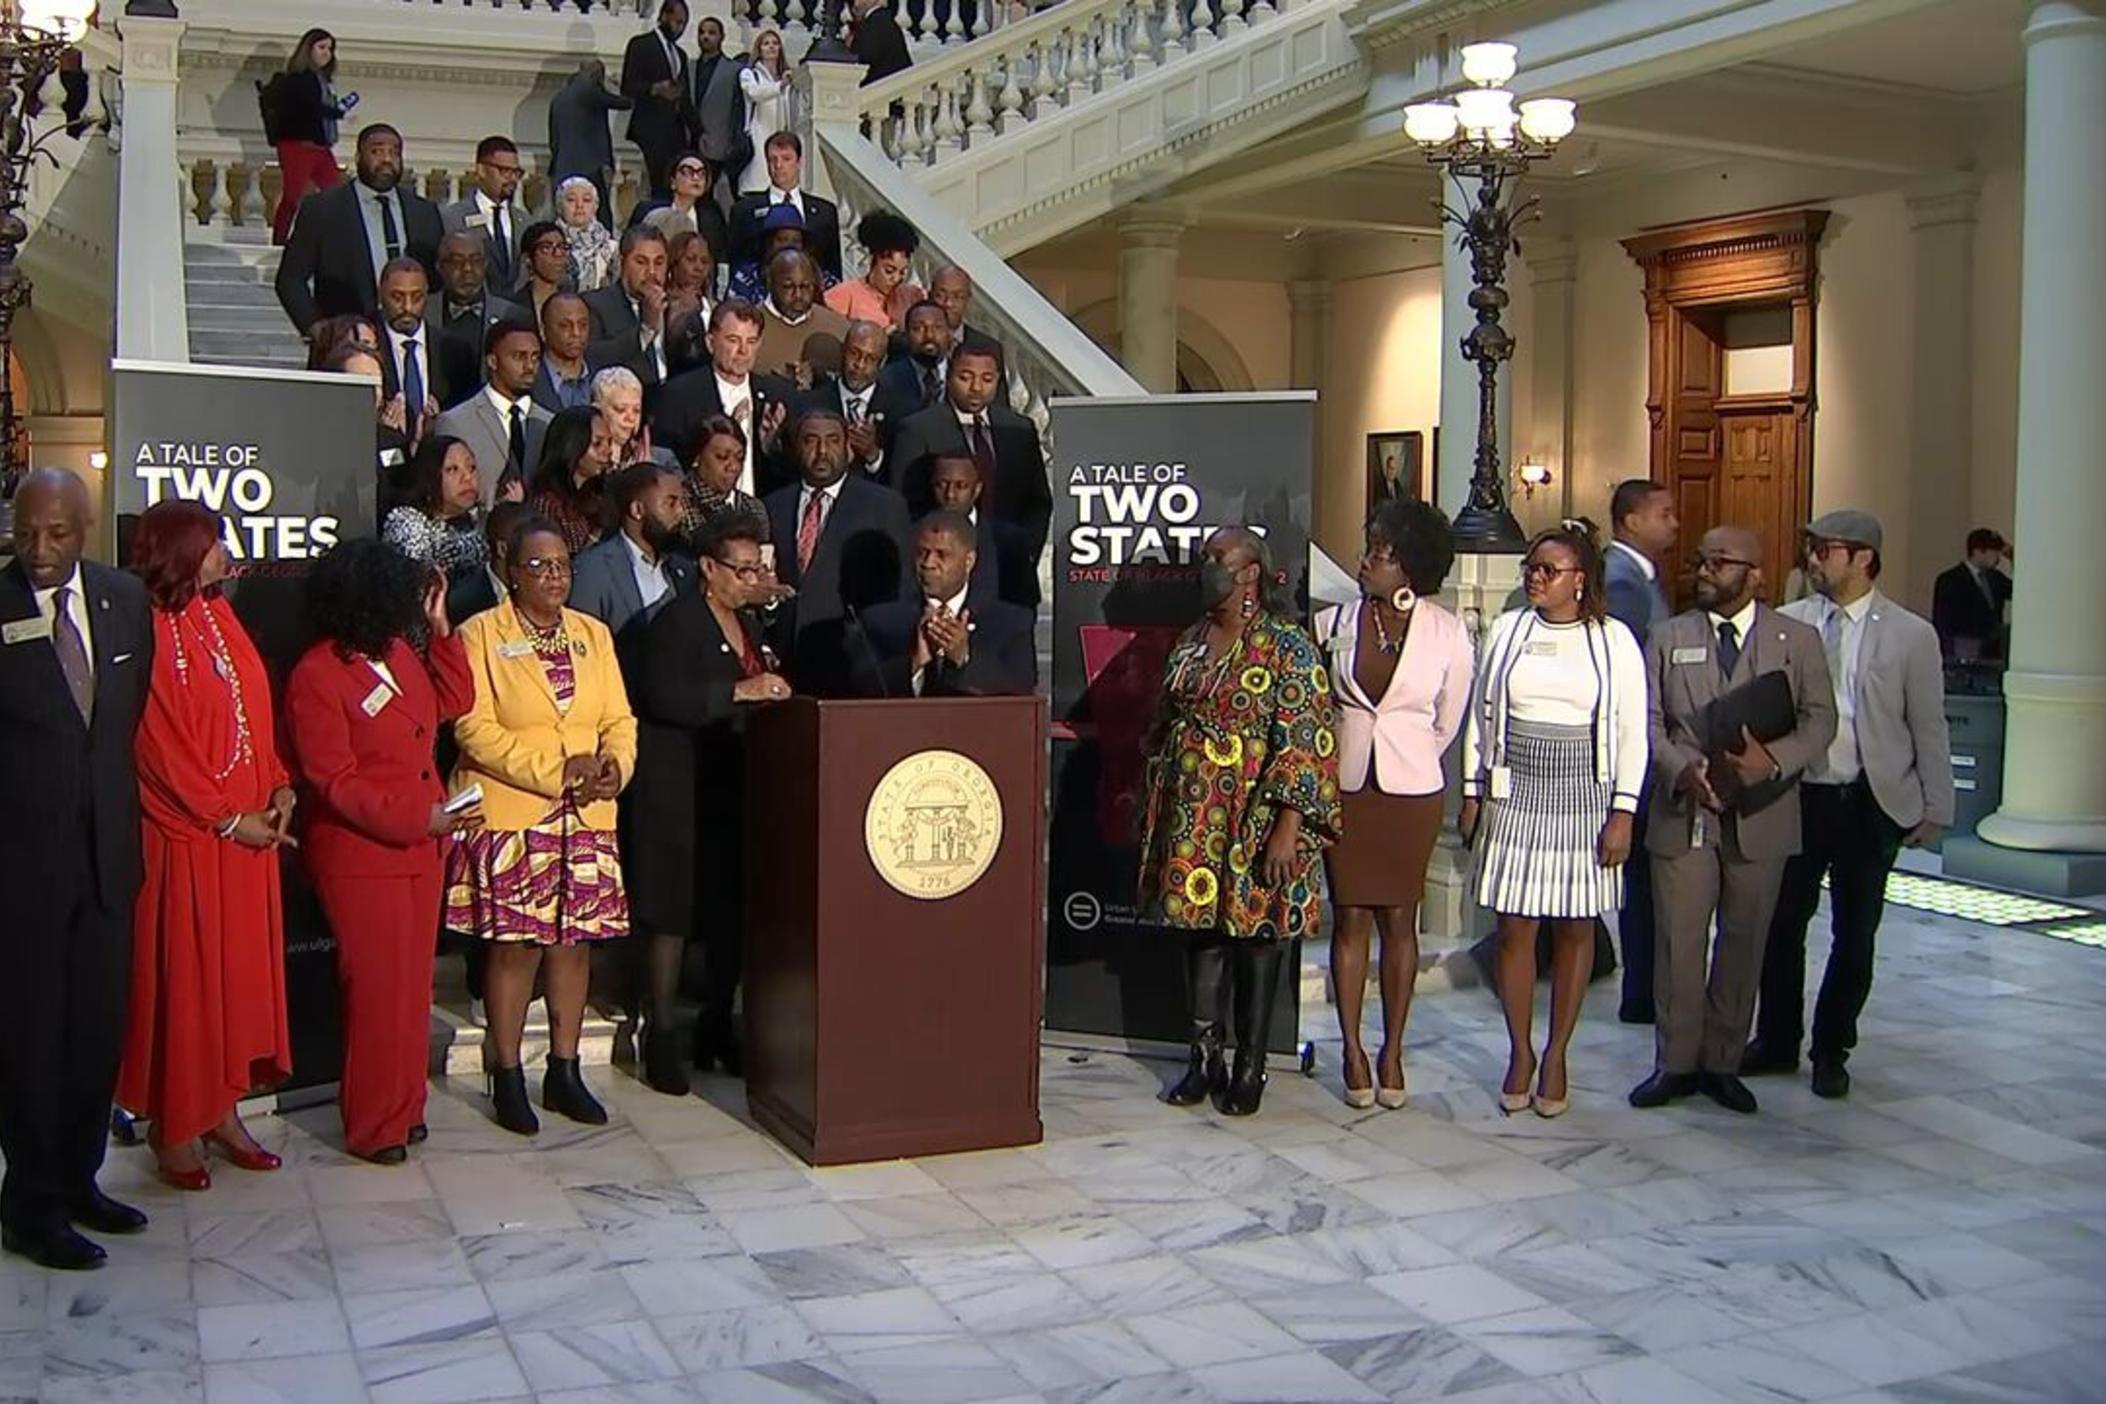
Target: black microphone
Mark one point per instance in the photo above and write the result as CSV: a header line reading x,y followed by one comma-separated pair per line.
x,y
877,665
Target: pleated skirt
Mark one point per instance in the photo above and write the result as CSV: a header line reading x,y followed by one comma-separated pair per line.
x,y
1537,849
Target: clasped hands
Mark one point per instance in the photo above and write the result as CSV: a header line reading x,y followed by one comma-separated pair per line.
x,y
943,634
591,778
270,826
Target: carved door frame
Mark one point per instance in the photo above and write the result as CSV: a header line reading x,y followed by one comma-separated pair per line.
x,y
1713,266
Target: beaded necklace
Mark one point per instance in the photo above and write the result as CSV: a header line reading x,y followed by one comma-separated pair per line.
x,y
222,664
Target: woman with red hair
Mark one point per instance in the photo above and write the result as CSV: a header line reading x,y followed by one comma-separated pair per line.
x,y
207,1019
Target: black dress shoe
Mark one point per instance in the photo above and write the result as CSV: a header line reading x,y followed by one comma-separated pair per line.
x,y
58,1248
1831,1080
662,1069
1662,1088
1728,1091
1635,1014
96,1210
385,1155
1758,1059
419,1134
1205,1073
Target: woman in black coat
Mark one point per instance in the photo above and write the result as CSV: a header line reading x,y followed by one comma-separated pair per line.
x,y
304,112
700,664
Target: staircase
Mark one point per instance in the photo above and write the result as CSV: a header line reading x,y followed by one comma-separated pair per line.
x,y
235,319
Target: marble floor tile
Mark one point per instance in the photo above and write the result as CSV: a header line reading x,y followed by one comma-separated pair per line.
x,y
1307,1378
312,1379
879,1320
1872,1349
590,1356
1148,1389
1372,1250
796,1226
1980,1328
94,1347
893,1218
445,1372
120,1290
1140,1286
1759,1370
1345,1311
732,1340
428,1316
1263,1266
265,1330
1015,1304
1659,1319
1188,1225
1215,1334
1414,1193
224,1235
888,1179
1545,1341
2070,1374
793,1382
1456,1293
1428,1363
938,1372
1097,1352
840,1271
1084,1241
1639,1382
1031,1202
404,1221
586,1298
504,1257
710,1284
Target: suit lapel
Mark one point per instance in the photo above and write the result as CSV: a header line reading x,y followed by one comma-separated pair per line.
x,y
514,650
18,602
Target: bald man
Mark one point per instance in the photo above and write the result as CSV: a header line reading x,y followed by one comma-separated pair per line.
x,y
76,650
1723,820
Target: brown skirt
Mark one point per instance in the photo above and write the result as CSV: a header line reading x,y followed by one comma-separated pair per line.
x,y
1381,856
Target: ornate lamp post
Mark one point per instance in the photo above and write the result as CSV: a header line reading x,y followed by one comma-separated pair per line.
x,y
1483,136
33,34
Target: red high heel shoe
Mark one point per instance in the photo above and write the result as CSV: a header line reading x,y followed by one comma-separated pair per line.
x,y
196,1180
257,1160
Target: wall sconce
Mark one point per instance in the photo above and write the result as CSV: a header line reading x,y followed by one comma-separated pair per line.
x,y
98,460
1533,476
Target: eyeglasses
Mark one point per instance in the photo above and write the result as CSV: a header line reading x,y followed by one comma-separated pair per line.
x,y
546,565
744,572
514,169
690,169
1715,563
1544,570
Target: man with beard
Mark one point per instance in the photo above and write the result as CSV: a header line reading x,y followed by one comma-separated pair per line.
x,y
463,315
720,112
843,544
655,77
793,315
628,315
343,238
409,367
501,424
728,386
949,640
870,406
971,421
565,381
626,579
1724,814
490,211
918,375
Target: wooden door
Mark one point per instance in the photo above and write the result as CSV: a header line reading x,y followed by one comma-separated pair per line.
x,y
1696,456
1759,482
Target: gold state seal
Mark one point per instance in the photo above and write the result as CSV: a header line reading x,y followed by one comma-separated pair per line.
x,y
933,825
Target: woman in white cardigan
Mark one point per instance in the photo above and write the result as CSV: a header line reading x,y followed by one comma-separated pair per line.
x,y
1553,761
765,80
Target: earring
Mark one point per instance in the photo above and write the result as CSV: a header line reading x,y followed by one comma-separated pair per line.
x,y
1250,605
1579,592
1402,599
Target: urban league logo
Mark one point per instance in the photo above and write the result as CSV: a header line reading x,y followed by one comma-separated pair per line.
x,y
934,825
1083,911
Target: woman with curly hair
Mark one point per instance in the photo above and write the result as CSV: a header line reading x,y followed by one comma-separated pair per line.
x,y
362,710
1400,671
884,292
1553,762
207,1015
1240,796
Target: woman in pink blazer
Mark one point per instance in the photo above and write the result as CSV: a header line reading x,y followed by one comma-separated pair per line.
x,y
1400,677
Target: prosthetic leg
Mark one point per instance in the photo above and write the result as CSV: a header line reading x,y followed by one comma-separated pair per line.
x,y
1255,970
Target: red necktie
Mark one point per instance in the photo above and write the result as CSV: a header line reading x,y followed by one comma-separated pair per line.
x,y
808,530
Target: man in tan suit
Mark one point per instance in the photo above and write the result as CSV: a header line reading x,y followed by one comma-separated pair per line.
x,y
1723,821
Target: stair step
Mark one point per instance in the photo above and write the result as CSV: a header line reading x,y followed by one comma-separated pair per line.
x,y
240,343
253,318
250,362
233,296
231,255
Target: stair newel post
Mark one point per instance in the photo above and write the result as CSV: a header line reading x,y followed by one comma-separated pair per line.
x,y
979,114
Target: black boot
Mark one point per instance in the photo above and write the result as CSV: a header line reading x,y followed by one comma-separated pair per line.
x,y
563,1092
717,1041
508,1097
1205,1074
1255,971
662,1069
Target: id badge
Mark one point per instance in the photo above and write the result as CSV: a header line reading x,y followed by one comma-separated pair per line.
x,y
1502,787
378,698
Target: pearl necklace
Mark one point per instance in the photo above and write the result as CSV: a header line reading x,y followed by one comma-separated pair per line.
x,y
222,664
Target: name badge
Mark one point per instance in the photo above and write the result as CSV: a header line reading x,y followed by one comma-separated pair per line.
x,y
23,630
1541,648
1502,783
378,698
1689,655
477,221
518,648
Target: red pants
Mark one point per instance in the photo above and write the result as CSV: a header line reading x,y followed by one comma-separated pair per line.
x,y
305,165
384,928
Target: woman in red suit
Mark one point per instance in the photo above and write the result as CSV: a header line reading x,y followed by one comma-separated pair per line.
x,y
207,1020
362,710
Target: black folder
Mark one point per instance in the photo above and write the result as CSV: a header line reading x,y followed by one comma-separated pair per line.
x,y
1765,707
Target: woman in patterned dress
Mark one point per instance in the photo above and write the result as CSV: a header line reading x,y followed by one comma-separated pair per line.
x,y
551,741
1241,796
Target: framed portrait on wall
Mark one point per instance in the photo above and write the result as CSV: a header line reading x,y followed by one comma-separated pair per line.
x,y
1396,467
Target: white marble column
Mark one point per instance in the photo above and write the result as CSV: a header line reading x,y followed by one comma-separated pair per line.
x,y
152,223
1941,383
2055,738
1148,238
1458,458
1553,268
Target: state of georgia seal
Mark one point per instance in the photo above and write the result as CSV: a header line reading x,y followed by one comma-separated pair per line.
x,y
933,825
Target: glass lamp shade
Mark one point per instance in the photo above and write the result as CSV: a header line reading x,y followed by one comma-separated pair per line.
x,y
1489,65
1486,112
1547,120
1430,123
67,19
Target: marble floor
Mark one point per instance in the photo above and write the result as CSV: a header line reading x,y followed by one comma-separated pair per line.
x,y
1939,1237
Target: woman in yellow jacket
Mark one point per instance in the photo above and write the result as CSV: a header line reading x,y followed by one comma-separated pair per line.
x,y
550,741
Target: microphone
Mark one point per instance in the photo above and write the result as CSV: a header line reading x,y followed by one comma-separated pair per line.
x,y
877,665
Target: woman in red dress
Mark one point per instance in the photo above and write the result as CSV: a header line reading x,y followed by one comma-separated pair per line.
x,y
362,710
207,1020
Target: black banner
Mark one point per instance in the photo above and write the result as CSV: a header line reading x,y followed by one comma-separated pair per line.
x,y
1139,485
286,459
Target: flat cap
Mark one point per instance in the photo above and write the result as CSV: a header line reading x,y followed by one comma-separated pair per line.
x,y
1862,528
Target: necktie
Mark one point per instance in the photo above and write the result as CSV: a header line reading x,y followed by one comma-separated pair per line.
x,y
412,387
72,653
929,386
390,232
808,530
854,405
984,454
515,449
1832,644
1728,648
502,254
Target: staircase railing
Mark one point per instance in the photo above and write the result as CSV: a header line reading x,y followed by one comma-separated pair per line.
x,y
69,204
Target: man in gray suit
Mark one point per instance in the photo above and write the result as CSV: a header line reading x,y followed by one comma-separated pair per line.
x,y
1724,820
626,579
1885,781
490,212
579,141
720,112
502,424
1642,516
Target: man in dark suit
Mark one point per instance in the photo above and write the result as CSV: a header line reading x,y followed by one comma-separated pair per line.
x,y
952,290
460,318
579,143
822,221
626,579
1725,817
843,543
1003,442
878,42
490,211
628,315
655,78
472,593
758,404
871,408
921,356
342,238
946,641
1968,601
720,116
1005,569
411,385
1642,517
74,666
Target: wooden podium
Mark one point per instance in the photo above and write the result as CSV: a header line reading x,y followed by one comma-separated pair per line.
x,y
895,924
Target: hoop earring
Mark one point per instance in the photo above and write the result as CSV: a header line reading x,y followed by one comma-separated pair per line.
x,y
1402,599
1250,605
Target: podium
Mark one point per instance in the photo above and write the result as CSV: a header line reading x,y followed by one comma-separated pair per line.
x,y
895,924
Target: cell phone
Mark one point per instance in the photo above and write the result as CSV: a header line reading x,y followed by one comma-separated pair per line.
x,y
464,800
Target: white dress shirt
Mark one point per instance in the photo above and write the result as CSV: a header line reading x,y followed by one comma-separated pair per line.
x,y
831,492
1842,637
855,408
955,607
651,583
792,196
499,216
1742,623
76,610
1645,562
730,395
399,349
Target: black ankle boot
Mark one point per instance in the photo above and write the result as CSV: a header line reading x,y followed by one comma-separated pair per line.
x,y
662,1068
508,1098
563,1092
1204,1074
1255,976
1246,1087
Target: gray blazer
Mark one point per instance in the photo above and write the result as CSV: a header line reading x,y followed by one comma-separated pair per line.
x,y
1682,679
579,141
1902,739
1633,597
456,217
603,584
476,422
